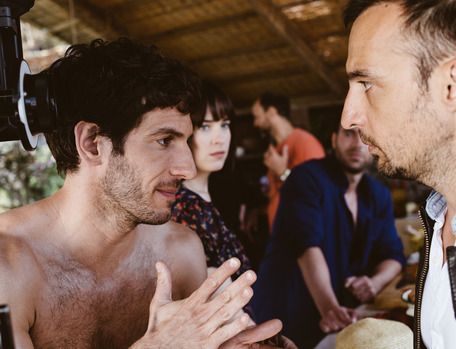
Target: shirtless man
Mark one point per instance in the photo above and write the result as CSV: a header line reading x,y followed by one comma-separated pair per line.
x,y
80,268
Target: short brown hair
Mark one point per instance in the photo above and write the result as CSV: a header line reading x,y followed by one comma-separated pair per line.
x,y
431,22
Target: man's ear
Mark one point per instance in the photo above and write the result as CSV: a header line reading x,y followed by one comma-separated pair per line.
x,y
450,97
89,144
271,111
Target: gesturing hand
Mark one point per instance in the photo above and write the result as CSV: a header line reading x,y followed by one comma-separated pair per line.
x,y
276,162
362,287
198,321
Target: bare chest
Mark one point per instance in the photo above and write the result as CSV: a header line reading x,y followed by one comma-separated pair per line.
x,y
78,311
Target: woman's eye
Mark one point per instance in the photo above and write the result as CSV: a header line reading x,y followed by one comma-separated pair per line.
x,y
204,127
226,124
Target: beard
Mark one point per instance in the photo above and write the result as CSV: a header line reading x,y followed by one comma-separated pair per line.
x,y
124,198
427,154
385,164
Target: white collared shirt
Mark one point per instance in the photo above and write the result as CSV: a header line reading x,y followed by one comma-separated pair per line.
x,y
438,323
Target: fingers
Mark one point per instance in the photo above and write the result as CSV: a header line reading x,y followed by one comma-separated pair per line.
x,y
343,316
259,333
230,330
285,152
349,281
359,282
163,292
215,280
226,305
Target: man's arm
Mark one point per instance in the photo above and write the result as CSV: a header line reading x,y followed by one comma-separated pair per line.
x,y
365,288
18,287
316,275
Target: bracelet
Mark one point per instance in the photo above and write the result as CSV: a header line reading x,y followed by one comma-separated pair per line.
x,y
285,175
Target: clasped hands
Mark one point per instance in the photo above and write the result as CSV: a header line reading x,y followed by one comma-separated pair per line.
x,y
206,319
337,317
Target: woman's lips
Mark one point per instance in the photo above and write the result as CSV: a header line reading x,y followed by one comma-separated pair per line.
x,y
217,154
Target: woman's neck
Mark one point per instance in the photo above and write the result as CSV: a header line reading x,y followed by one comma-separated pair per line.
x,y
200,185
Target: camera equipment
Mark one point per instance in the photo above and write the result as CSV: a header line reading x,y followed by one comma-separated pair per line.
x,y
27,102
6,331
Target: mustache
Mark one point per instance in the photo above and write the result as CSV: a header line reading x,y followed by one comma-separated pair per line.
x,y
367,140
173,184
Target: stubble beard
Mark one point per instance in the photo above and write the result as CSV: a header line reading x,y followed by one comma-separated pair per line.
x,y
429,152
124,200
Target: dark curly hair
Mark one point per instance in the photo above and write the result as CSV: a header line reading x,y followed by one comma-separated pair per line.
x,y
113,84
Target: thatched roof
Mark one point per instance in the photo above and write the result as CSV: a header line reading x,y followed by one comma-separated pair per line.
x,y
245,46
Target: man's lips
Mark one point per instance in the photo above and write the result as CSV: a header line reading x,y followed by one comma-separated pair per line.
x,y
170,192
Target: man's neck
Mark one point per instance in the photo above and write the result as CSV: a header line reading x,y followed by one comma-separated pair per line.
x,y
200,185
353,180
280,129
90,236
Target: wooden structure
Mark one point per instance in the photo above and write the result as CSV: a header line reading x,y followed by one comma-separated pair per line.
x,y
244,46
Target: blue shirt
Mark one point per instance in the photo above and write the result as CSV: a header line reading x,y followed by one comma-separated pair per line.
x,y
313,213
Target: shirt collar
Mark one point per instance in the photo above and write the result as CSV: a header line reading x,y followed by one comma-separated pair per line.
x,y
436,206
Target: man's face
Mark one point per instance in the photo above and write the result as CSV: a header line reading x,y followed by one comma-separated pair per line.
x,y
403,124
351,152
260,117
143,182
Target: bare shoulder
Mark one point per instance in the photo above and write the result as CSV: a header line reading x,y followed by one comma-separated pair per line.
x,y
20,279
183,252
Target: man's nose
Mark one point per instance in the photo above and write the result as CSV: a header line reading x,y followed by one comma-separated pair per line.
x,y
353,114
184,166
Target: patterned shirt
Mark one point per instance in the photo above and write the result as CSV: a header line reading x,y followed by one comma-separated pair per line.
x,y
220,243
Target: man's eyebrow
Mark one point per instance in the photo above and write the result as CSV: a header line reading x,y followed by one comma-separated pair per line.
x,y
167,131
356,74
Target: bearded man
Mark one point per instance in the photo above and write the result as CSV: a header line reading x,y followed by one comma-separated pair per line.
x,y
334,244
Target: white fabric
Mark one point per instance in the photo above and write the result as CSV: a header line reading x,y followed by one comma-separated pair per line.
x,y
438,324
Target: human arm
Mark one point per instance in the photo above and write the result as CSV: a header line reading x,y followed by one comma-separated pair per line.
x,y
386,256
365,288
316,275
18,287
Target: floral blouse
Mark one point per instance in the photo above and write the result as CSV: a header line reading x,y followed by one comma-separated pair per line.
x,y
220,243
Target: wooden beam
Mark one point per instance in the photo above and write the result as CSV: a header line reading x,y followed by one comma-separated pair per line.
x,y
200,27
284,27
95,22
324,100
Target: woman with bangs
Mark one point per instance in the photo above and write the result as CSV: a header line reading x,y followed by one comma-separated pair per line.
x,y
193,207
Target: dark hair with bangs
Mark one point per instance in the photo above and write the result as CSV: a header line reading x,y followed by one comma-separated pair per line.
x,y
217,101
113,84
431,22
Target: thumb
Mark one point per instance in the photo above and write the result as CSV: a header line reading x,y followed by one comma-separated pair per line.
x,y
163,292
349,281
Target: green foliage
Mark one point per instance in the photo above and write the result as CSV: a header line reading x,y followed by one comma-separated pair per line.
x,y
26,177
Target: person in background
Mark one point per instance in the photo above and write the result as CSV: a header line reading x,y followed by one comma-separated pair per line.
x,y
293,146
334,244
193,207
401,68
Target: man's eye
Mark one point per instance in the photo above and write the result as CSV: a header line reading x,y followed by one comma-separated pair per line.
x,y
366,84
165,141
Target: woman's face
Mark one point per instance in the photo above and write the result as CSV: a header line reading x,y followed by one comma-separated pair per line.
x,y
211,142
